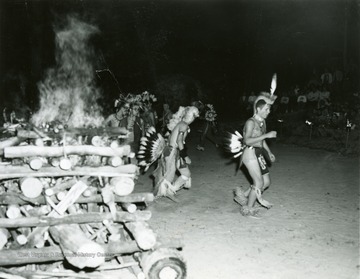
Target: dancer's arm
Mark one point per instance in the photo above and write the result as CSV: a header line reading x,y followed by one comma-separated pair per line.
x,y
271,155
248,140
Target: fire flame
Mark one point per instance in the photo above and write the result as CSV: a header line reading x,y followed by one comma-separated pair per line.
x,y
68,93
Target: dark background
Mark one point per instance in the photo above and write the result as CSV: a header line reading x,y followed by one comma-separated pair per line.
x,y
230,47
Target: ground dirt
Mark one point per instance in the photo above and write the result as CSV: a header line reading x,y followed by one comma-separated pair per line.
x,y
311,232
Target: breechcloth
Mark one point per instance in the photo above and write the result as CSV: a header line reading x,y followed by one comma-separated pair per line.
x,y
261,160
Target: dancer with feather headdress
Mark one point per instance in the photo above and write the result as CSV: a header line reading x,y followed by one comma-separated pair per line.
x,y
170,153
251,147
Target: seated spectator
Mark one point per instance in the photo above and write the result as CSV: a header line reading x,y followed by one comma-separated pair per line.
x,y
284,103
312,97
301,101
326,77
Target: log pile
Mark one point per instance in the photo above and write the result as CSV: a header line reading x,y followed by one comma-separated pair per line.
x,y
67,204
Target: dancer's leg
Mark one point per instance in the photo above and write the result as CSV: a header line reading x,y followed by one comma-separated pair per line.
x,y
183,180
258,182
267,181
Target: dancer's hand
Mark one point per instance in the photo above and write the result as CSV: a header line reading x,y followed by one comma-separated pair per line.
x,y
187,160
272,157
271,134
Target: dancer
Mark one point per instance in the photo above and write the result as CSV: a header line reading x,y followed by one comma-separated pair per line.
x,y
208,126
148,115
135,126
172,153
252,148
118,119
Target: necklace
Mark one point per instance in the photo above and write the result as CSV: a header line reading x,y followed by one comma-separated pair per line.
x,y
118,118
260,121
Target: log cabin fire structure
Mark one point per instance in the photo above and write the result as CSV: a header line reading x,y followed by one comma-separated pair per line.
x,y
68,208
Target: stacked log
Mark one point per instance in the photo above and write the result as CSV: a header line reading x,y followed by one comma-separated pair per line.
x,y
68,196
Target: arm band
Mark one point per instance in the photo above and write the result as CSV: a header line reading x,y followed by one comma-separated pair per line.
x,y
183,153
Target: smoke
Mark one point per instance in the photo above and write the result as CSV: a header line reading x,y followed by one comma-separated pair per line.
x,y
68,93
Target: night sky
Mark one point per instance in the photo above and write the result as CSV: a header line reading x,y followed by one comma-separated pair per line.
x,y
230,47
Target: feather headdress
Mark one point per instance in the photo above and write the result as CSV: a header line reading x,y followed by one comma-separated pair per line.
x,y
269,97
146,97
130,99
152,146
180,114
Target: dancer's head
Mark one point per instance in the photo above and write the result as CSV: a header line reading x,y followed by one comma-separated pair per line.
x,y
190,114
186,114
262,108
122,109
135,109
266,97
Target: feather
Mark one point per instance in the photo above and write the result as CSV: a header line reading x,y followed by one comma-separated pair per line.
x,y
151,148
234,144
273,84
238,134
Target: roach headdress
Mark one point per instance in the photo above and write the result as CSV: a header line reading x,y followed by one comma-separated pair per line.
x,y
268,97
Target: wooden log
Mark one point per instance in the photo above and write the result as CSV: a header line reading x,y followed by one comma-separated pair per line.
x,y
86,228
21,239
28,134
7,199
12,257
75,192
109,199
10,142
31,187
38,133
114,232
115,161
142,233
61,185
39,142
4,236
58,151
81,218
65,164
9,172
61,195
122,186
129,207
99,141
35,163
79,251
55,162
90,191
114,144
13,211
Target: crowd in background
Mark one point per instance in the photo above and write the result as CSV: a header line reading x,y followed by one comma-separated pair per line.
x,y
325,98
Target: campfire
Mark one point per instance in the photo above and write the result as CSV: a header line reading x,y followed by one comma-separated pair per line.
x,y
67,200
